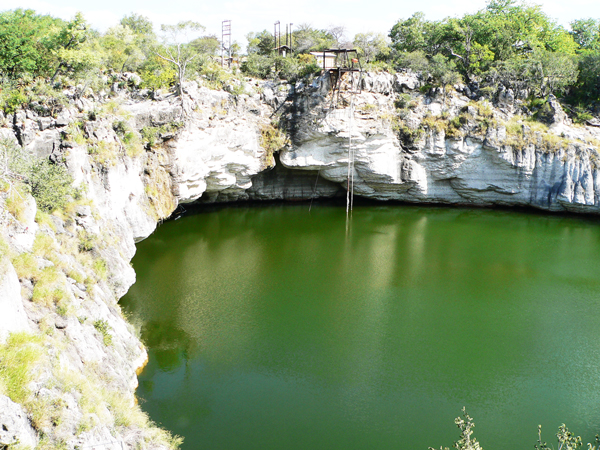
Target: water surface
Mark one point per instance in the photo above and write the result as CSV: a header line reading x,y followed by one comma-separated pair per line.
x,y
270,328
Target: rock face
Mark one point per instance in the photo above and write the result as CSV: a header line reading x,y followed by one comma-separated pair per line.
x,y
13,316
392,142
14,425
468,167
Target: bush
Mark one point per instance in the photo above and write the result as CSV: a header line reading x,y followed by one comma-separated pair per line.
x,y
257,66
13,100
272,139
19,355
51,185
104,329
157,73
214,76
152,136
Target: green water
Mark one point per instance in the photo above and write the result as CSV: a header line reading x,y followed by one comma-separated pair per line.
x,y
270,328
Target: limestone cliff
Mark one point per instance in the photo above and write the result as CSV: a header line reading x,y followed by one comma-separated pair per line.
x,y
138,157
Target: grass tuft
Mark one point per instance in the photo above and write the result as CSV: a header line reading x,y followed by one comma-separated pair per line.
x,y
17,359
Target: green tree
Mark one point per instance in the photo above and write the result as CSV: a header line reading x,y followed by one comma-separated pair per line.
x,y
261,43
51,185
69,50
588,87
412,34
586,33
555,71
371,46
308,39
443,71
122,49
139,24
415,61
26,40
206,45
177,50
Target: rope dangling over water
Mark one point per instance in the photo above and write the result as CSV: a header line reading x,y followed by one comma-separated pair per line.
x,y
350,179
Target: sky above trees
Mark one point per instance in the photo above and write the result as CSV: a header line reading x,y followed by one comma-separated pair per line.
x,y
256,15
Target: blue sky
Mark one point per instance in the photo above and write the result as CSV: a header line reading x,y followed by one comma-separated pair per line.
x,y
356,15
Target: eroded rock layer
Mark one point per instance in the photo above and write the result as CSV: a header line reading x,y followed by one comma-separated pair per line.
x,y
393,142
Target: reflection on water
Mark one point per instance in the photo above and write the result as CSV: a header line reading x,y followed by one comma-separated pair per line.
x,y
269,329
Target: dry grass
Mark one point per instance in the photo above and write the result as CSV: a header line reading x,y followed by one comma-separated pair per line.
x,y
44,245
19,355
26,266
105,153
521,133
44,219
158,190
16,205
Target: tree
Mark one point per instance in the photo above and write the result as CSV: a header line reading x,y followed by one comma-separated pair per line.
x,y
586,33
69,50
235,49
307,39
557,71
588,88
27,41
415,61
122,48
338,33
260,43
177,50
415,34
371,45
139,24
518,73
206,45
443,71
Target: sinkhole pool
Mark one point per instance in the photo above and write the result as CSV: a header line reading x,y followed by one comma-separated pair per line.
x,y
276,327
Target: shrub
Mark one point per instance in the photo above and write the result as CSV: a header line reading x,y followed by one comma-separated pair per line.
x,y
272,139
104,329
26,266
104,153
18,356
15,203
43,245
133,144
49,296
152,136
157,73
403,101
100,269
87,241
258,66
120,127
13,100
51,185
13,163
214,76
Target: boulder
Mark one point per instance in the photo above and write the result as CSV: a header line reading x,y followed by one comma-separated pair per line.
x,y
15,428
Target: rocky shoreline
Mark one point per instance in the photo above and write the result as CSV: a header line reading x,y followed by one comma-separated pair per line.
x,y
407,146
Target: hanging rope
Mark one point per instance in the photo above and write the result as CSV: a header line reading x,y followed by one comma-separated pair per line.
x,y
350,179
314,190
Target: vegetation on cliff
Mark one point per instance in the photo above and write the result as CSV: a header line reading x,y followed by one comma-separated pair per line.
x,y
506,45
48,64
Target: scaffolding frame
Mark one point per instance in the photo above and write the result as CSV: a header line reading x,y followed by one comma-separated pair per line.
x,y
286,48
346,61
226,34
